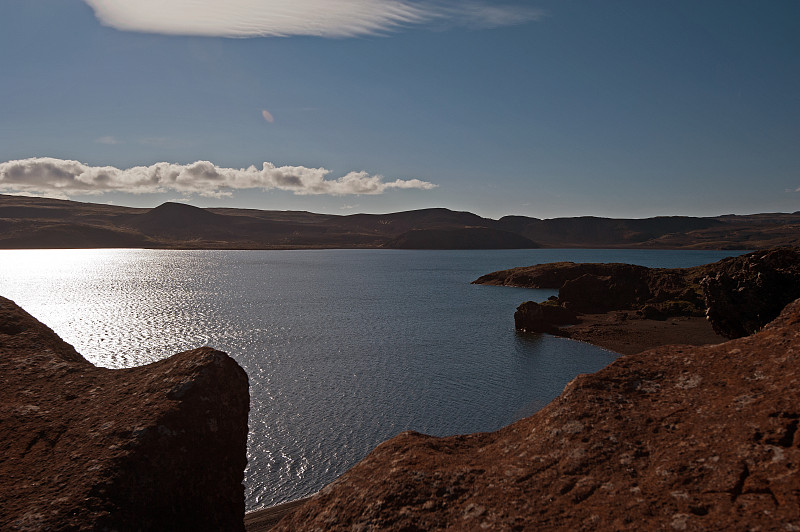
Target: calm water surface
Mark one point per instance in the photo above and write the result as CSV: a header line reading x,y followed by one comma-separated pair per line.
x,y
344,348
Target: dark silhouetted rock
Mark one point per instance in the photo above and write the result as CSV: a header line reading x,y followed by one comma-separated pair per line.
x,y
157,447
742,294
738,295
599,287
677,438
542,317
624,289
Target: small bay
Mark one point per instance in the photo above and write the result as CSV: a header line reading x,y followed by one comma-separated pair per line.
x,y
343,348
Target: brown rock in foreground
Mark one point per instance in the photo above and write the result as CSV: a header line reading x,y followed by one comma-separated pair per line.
x,y
157,447
677,438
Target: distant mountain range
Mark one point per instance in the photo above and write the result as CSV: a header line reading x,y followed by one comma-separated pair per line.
x,y
47,223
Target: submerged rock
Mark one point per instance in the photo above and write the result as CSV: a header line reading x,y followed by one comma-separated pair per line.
x,y
157,447
676,438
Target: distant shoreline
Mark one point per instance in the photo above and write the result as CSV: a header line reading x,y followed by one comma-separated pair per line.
x,y
42,223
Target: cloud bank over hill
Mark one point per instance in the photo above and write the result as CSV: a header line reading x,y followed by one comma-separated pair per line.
x,y
281,18
59,177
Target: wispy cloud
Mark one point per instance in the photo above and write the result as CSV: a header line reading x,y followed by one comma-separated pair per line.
x,y
44,175
108,139
280,18
484,14
267,116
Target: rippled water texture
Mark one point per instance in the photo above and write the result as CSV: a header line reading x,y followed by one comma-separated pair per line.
x,y
344,348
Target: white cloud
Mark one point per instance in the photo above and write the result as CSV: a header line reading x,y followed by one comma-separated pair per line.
x,y
280,18
108,139
267,116
44,175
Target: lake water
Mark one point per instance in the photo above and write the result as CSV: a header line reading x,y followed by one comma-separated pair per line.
x,y
344,348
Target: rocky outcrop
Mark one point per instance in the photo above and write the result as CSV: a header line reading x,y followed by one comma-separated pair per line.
x,y
555,274
678,438
598,287
542,317
743,293
739,295
600,293
157,447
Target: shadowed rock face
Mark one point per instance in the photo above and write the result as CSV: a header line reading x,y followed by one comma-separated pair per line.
x,y
157,447
598,287
684,438
744,293
546,317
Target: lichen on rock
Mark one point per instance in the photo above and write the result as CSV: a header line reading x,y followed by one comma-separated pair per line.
x,y
156,447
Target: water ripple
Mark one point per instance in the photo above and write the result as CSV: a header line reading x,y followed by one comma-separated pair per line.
x,y
344,349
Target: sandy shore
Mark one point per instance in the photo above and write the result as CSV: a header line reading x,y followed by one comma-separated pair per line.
x,y
261,520
619,332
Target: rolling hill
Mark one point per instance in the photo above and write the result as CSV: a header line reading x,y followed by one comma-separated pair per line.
x,y
27,222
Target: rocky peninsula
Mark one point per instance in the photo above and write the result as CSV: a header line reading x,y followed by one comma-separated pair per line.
x,y
628,308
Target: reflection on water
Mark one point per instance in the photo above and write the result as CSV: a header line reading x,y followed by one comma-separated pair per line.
x,y
344,348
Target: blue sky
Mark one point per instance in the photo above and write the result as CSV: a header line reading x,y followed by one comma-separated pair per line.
x,y
552,108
